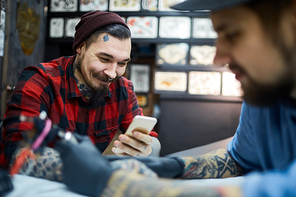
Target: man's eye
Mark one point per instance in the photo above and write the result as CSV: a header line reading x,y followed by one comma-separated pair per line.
x,y
121,63
232,35
104,59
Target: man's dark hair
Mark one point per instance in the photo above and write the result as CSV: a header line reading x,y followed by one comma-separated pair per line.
x,y
117,30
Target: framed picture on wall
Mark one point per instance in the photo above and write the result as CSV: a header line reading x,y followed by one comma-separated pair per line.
x,y
204,83
143,27
56,27
140,76
174,27
170,81
126,5
164,5
172,54
70,26
63,5
142,99
87,5
203,28
149,5
202,55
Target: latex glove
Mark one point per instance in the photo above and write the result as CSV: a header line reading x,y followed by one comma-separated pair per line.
x,y
84,170
167,167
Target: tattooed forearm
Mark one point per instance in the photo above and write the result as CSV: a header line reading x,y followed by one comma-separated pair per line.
x,y
217,164
123,183
47,165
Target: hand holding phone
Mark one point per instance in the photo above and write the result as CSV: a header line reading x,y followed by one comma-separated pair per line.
x,y
142,124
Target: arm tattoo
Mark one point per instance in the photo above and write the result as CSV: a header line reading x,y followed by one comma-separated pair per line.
x,y
132,184
47,165
217,164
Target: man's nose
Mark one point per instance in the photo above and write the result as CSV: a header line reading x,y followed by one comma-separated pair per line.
x,y
111,70
223,56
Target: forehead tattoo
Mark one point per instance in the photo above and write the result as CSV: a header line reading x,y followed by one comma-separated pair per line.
x,y
106,38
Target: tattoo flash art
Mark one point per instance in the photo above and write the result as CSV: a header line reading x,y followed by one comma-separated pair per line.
x,y
56,27
143,27
171,81
91,5
125,5
70,26
174,27
63,6
203,28
202,55
150,5
172,54
140,75
164,5
205,83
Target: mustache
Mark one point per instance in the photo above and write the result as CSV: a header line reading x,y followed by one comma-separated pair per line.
x,y
236,67
104,77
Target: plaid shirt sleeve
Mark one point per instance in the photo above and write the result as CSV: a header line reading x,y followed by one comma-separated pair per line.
x,y
29,98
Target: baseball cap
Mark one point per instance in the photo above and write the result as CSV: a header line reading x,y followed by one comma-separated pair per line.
x,y
211,5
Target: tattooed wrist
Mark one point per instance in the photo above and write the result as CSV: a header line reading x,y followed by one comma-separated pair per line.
x,y
217,164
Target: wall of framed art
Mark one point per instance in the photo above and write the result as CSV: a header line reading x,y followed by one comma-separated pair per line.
x,y
171,65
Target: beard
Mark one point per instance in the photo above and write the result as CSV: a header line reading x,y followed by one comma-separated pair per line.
x,y
259,94
96,94
265,95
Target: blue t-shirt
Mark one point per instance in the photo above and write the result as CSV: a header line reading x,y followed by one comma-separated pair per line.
x,y
265,140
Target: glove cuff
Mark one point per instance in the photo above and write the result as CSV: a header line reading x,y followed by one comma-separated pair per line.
x,y
182,166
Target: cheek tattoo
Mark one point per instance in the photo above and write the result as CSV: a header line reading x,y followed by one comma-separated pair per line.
x,y
106,38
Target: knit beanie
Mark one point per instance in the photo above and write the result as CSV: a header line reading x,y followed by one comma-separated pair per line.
x,y
92,21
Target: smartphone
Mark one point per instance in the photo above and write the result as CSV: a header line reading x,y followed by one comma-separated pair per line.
x,y
143,124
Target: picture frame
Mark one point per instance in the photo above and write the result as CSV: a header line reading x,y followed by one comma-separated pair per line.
x,y
174,27
87,5
204,83
63,6
164,5
140,76
126,6
203,28
170,81
56,27
202,55
149,5
142,99
172,54
70,26
143,27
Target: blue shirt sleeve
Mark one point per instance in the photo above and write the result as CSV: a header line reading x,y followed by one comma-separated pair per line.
x,y
243,145
271,183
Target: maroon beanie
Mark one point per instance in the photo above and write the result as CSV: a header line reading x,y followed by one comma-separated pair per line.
x,y
92,21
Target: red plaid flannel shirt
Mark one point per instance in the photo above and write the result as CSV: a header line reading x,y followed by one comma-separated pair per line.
x,y
52,87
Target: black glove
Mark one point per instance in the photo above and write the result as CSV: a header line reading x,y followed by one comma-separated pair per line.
x,y
85,170
5,182
167,167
